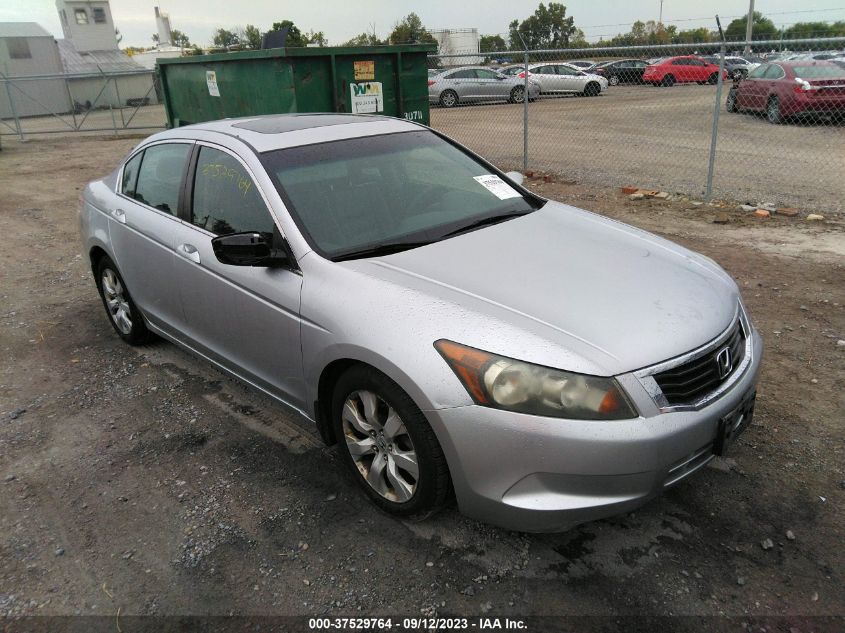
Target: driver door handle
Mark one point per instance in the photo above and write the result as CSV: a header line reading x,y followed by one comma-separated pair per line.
x,y
119,215
189,251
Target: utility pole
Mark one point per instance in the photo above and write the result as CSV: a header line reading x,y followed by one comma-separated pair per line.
x,y
749,27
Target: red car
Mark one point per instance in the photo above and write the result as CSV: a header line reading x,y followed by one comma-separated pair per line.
x,y
784,89
687,68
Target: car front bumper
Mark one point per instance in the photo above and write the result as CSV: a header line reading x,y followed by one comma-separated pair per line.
x,y
537,474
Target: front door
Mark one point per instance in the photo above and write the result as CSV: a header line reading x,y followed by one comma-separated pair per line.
x,y
245,318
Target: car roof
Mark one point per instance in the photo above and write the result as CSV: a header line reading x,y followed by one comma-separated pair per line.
x,y
279,131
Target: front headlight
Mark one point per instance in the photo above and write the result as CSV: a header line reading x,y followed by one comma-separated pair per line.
x,y
505,383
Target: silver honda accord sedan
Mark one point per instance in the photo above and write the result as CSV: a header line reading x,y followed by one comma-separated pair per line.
x,y
457,335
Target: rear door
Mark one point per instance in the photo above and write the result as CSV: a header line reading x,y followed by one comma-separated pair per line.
x,y
244,318
142,228
465,83
680,69
546,77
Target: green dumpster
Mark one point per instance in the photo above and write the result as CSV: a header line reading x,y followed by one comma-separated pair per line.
x,y
391,80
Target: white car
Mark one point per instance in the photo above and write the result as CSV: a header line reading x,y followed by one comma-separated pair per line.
x,y
559,78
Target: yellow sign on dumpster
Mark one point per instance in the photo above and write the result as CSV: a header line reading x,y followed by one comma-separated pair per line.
x,y
364,70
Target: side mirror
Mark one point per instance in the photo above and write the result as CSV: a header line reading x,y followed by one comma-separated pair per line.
x,y
500,77
516,176
246,249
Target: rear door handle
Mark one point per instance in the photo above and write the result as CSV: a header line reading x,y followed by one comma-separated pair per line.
x,y
189,251
119,215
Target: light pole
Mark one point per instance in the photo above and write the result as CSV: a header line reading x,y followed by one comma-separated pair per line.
x,y
749,27
660,19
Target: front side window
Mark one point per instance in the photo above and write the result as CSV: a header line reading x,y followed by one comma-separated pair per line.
x,y
226,199
160,176
361,193
774,72
81,16
481,73
758,72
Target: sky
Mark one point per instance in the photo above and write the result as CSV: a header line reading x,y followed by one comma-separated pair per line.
x,y
342,19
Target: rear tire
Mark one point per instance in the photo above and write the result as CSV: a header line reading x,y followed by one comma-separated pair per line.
x,y
123,314
713,79
592,89
517,94
773,114
613,80
668,81
448,98
388,445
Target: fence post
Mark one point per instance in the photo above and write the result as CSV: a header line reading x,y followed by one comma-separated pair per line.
x,y
717,109
12,106
525,118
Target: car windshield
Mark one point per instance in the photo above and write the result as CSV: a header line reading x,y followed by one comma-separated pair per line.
x,y
358,195
817,72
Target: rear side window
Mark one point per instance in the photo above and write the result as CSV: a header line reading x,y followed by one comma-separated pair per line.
x,y
225,197
130,175
161,175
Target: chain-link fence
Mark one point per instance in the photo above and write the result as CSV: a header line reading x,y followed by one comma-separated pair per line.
x,y
769,128
73,103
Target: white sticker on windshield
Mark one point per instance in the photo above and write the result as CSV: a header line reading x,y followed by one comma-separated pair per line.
x,y
497,186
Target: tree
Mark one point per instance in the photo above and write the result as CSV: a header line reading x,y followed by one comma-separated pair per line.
x,y
548,27
365,39
177,38
295,37
316,37
410,30
225,39
118,36
762,28
492,43
252,36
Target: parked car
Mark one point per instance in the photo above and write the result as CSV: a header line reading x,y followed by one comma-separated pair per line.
x,y
737,67
559,78
450,330
684,69
475,83
621,71
784,89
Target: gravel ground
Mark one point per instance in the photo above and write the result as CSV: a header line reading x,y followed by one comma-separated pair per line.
x,y
660,138
140,481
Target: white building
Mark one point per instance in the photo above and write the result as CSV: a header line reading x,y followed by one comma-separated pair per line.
x,y
87,24
26,49
457,41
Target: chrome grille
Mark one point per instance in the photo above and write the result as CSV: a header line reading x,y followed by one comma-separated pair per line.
x,y
689,382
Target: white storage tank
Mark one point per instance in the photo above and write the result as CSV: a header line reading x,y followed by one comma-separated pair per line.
x,y
456,41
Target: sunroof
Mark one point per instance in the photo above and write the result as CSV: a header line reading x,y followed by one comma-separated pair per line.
x,y
291,122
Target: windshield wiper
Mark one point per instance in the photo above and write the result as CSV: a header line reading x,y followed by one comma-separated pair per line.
x,y
380,249
489,220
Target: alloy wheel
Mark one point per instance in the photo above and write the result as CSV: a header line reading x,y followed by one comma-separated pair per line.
x,y
116,301
380,446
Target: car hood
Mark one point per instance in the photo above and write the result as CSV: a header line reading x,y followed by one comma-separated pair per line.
x,y
614,295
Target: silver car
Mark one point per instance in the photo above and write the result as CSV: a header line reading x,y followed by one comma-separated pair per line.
x,y
560,78
476,83
453,332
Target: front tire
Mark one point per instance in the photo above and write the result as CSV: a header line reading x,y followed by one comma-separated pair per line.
x,y
123,314
448,98
388,444
592,89
668,81
730,102
613,80
713,79
517,94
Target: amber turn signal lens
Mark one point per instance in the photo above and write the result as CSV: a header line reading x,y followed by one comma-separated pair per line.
x,y
467,363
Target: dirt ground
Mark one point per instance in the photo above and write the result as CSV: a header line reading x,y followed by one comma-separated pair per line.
x,y
141,481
